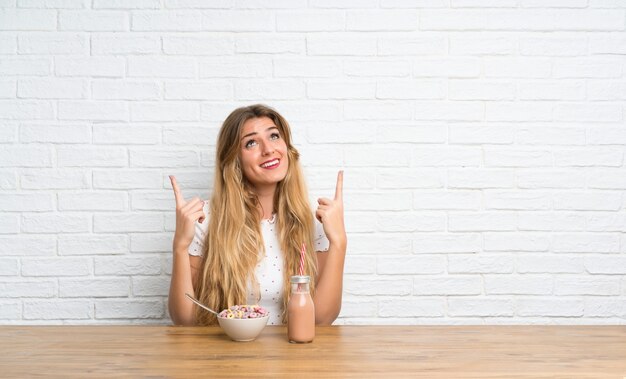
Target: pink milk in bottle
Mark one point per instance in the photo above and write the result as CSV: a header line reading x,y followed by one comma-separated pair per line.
x,y
301,311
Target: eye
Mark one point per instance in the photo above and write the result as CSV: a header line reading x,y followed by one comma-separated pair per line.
x,y
250,144
274,136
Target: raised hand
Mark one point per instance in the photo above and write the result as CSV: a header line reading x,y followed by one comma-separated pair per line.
x,y
330,213
187,214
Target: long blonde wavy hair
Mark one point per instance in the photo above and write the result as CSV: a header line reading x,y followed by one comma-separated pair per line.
x,y
234,243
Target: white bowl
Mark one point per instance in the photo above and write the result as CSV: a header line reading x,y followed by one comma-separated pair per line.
x,y
243,329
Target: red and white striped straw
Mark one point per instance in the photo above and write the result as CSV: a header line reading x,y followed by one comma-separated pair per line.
x,y
302,252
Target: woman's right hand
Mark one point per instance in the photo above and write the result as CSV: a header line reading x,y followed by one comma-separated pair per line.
x,y
187,214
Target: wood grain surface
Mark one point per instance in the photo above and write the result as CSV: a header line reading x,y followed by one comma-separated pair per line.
x,y
338,351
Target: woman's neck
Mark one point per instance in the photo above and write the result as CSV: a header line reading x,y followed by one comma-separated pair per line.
x,y
266,202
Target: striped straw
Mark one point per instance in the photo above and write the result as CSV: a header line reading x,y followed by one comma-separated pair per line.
x,y
302,252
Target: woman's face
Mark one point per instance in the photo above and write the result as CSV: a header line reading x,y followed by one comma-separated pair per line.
x,y
263,153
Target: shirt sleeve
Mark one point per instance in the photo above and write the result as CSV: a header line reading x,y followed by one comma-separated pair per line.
x,y
197,244
320,242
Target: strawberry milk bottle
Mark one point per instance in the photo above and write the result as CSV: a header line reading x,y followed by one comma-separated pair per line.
x,y
301,311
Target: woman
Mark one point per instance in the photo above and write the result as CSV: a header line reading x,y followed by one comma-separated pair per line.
x,y
243,246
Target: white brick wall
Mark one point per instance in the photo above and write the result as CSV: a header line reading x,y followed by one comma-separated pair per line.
x,y
483,144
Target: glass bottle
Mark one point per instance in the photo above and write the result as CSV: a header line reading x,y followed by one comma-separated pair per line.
x,y
301,311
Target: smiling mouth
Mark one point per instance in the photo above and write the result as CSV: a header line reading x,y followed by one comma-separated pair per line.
x,y
271,164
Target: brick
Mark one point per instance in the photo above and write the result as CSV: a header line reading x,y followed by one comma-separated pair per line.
x,y
606,136
203,45
106,287
93,201
559,44
517,200
447,200
481,90
378,201
412,307
309,111
57,309
607,179
410,178
483,3
55,223
586,243
26,110
122,4
588,112
264,89
360,265
57,43
259,44
587,67
310,21
55,133
25,156
514,67
8,266
343,132
90,66
551,221
8,44
554,4
377,67
588,201
341,90
242,20
605,264
607,43
25,66
480,134
381,20
378,157
549,263
606,90
606,222
448,285
56,266
415,133
550,307
9,224
124,265
448,156
164,111
481,221
166,21
586,285
478,178
105,89
151,286
371,110
441,243
548,90
213,90
414,89
469,43
481,306
28,19
10,310
520,241
147,201
359,222
163,67
237,66
362,307
25,202
93,244
447,68
421,44
8,88
368,244
26,288
375,286
449,111
157,159
126,134
124,223
125,44
413,4
544,134
517,157
605,307
92,157
93,110
518,285
132,309
8,179
62,4
151,242
127,179
411,222
518,111
480,264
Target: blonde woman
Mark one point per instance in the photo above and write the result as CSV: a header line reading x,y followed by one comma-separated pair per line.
x,y
243,245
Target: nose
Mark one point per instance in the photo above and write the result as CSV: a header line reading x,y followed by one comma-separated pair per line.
x,y
267,148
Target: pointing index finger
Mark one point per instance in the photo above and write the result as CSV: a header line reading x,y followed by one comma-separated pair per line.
x,y
339,188
177,195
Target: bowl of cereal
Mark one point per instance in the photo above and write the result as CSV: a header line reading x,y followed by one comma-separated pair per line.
x,y
243,322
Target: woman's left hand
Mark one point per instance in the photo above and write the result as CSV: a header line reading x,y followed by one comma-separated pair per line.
x,y
330,214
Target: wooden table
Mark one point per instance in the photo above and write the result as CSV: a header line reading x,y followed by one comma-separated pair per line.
x,y
338,351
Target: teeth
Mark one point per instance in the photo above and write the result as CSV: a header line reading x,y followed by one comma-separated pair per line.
x,y
270,163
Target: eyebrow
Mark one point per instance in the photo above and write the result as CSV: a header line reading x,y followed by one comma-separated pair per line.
x,y
253,133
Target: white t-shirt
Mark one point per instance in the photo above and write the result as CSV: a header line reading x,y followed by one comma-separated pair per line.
x,y
269,270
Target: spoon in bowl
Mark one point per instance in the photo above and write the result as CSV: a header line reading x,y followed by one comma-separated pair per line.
x,y
200,304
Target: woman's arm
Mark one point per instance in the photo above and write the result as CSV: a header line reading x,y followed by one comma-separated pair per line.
x,y
184,267
329,287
